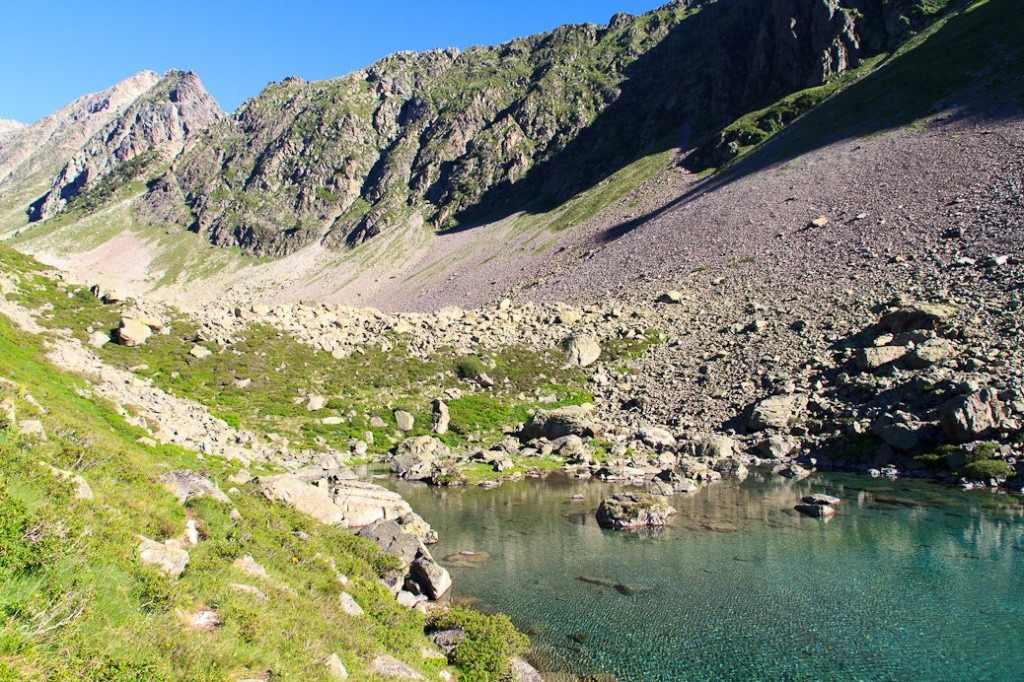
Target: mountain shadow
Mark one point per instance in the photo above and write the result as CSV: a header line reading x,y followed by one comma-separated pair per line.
x,y
976,53
726,59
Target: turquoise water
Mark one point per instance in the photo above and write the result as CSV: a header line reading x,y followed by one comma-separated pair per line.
x,y
908,581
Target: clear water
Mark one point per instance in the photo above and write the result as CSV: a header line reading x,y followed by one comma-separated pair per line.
x,y
907,582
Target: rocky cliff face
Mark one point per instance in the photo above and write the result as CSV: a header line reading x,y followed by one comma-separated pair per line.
x,y
46,145
450,137
156,124
7,127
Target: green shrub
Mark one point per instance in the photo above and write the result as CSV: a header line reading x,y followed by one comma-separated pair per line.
x,y
988,468
470,367
485,653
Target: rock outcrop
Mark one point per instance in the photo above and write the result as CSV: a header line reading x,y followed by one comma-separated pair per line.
x,y
154,127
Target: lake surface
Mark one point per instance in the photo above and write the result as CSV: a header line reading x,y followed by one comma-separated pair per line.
x,y
909,581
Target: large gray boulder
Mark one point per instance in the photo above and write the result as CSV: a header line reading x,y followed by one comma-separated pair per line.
x,y
422,574
916,316
776,412
168,558
573,420
633,510
582,349
414,457
970,417
308,499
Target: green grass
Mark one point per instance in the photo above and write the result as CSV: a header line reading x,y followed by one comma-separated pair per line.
x,y
76,604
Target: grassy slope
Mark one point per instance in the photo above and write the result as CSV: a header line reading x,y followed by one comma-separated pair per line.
x,y
71,562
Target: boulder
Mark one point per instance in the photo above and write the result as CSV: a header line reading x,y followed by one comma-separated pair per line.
x,y
521,671
916,316
432,577
391,668
308,499
99,339
820,498
654,437
776,412
414,457
169,558
714,447
186,485
970,417
349,605
582,349
931,352
793,470
200,352
315,403
816,510
871,359
335,668
441,417
404,420
573,420
132,332
777,447
633,510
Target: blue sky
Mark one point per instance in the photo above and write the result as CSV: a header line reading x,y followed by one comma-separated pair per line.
x,y
54,52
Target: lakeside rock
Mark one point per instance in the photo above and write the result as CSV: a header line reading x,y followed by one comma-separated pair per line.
x,y
633,510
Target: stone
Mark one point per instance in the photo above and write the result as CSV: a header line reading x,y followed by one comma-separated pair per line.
x,y
522,671
256,592
671,297
777,447
414,457
349,605
820,498
654,437
573,420
315,403
249,566
99,339
205,620
931,352
633,510
816,510
33,428
714,447
82,489
405,420
896,432
582,349
871,359
916,316
240,478
335,668
186,485
970,417
776,412
168,558
391,668
200,352
792,471
308,499
132,332
441,417
431,576
820,221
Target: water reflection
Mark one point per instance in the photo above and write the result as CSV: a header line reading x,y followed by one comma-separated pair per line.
x,y
907,581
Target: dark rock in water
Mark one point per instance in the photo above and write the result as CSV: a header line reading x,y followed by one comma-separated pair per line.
x,y
816,510
580,637
819,498
633,510
630,589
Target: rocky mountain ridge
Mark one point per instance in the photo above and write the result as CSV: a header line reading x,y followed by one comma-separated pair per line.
x,y
157,124
450,138
45,146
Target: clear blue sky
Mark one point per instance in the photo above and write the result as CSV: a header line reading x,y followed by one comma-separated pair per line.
x,y
53,52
